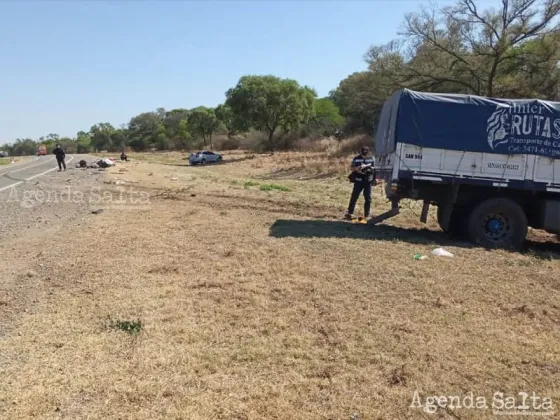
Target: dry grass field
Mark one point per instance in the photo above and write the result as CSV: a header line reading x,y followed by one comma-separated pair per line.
x,y
234,291
8,160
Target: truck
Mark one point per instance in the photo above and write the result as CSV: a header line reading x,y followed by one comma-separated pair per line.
x,y
4,154
41,150
490,165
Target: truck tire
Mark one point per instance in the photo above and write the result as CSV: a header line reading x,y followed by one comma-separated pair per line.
x,y
498,223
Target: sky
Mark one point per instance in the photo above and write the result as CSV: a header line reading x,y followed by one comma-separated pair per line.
x,y
67,65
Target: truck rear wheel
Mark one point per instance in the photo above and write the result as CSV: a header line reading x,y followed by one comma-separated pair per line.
x,y
498,223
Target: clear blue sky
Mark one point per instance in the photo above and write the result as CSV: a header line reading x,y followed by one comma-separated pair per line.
x,y
68,65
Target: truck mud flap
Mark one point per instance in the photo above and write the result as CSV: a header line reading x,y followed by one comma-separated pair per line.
x,y
425,209
387,215
445,208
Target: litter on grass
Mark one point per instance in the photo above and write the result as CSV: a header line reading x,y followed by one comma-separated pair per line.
x,y
440,252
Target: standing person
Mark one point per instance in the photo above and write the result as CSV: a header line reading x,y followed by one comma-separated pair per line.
x,y
60,156
363,178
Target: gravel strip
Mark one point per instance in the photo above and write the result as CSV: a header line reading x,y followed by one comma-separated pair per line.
x,y
52,200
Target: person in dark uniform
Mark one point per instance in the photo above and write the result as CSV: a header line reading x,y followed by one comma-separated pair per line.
x,y
60,156
363,177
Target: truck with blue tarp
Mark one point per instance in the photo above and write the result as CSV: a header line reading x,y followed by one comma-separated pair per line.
x,y
491,166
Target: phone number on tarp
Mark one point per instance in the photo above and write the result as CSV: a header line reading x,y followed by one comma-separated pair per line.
x,y
546,151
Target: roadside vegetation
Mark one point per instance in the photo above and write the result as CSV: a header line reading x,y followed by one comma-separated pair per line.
x,y
511,51
8,160
236,291
238,303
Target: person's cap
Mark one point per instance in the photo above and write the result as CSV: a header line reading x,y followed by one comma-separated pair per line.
x,y
365,149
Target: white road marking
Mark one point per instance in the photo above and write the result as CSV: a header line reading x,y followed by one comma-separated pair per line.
x,y
8,168
31,166
34,176
11,186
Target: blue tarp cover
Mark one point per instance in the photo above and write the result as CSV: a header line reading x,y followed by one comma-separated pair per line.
x,y
469,123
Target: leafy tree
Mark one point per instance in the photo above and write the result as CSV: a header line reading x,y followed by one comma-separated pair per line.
x,y
160,112
83,142
49,144
203,123
269,103
101,136
119,139
183,137
23,147
534,72
232,122
360,98
172,122
326,115
162,140
144,129
68,144
138,144
462,48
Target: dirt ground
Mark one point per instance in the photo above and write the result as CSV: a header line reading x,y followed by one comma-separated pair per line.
x,y
234,291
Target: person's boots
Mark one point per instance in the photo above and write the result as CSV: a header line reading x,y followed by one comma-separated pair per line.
x,y
348,216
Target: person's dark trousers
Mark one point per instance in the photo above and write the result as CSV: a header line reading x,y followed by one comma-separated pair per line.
x,y
358,188
61,164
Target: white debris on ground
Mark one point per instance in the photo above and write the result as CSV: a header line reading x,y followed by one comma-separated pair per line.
x,y
440,252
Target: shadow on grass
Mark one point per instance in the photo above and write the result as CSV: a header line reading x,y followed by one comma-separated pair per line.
x,y
340,229
223,162
296,173
237,160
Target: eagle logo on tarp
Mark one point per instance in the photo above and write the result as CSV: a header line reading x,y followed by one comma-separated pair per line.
x,y
498,127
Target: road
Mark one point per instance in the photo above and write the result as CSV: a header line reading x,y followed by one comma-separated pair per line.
x,y
13,175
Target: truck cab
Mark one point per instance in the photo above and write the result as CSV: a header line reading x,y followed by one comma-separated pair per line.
x,y
41,150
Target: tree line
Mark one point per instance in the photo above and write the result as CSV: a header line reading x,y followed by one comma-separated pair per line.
x,y
511,52
273,106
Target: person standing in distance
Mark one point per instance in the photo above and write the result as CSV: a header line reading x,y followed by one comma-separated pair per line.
x,y
60,156
362,176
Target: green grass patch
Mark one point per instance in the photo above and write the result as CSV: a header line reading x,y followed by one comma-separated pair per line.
x,y
130,327
250,184
271,187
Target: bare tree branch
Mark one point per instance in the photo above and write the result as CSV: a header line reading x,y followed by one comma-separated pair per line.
x,y
471,6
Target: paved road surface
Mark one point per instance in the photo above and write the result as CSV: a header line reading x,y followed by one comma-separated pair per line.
x,y
12,175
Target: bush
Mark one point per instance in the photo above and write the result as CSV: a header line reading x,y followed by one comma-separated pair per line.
x,y
227,143
254,141
353,145
317,146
